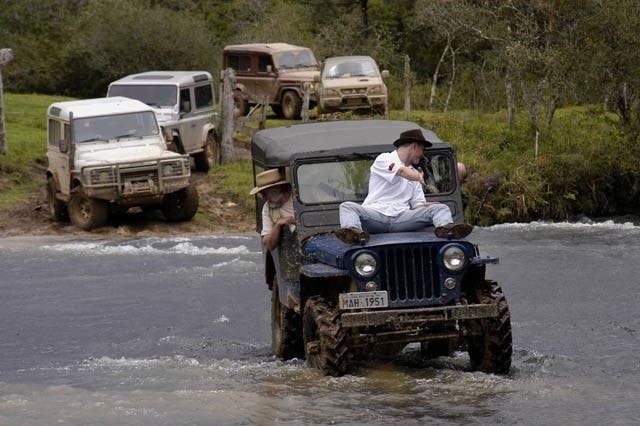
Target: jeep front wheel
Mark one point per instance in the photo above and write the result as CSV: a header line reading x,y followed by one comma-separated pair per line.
x,y
291,105
325,340
181,205
490,343
286,328
241,105
57,208
87,213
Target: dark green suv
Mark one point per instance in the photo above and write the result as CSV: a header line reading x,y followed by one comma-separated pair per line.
x,y
337,303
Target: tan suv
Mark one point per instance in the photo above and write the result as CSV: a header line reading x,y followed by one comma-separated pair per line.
x,y
275,71
351,83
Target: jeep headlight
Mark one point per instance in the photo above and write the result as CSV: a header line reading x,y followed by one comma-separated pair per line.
x,y
376,90
365,264
331,92
454,258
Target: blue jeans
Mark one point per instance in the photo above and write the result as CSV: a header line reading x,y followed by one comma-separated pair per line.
x,y
353,215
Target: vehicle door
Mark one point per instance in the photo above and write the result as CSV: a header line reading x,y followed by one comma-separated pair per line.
x,y
59,153
197,115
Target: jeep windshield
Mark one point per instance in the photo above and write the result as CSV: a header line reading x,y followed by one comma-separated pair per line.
x,y
110,127
157,96
295,59
348,179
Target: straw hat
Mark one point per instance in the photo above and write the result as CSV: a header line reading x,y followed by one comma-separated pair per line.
x,y
267,179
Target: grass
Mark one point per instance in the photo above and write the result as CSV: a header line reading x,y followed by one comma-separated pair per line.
x,y
584,165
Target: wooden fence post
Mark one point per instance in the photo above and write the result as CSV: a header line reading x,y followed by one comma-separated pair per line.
x,y
305,102
6,55
227,121
407,87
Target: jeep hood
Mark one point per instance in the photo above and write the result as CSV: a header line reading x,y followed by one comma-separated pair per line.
x,y
351,82
120,152
330,250
296,74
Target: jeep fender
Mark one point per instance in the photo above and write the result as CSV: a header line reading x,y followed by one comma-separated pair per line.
x,y
296,89
205,132
240,87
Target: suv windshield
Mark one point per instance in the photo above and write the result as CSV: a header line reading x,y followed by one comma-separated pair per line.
x,y
336,182
152,95
295,59
351,69
110,127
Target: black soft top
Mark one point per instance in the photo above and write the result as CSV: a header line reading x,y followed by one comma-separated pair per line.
x,y
280,145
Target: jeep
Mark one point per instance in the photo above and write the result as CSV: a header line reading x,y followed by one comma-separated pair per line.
x,y
336,303
275,72
351,83
109,153
184,102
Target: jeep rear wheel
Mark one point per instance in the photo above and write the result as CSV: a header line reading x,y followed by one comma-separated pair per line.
x,y
181,205
490,344
57,208
291,105
325,340
209,156
87,213
286,328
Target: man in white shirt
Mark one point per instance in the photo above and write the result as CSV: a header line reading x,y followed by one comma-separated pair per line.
x,y
396,201
277,210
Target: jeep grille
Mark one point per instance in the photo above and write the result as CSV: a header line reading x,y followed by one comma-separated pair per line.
x,y
410,275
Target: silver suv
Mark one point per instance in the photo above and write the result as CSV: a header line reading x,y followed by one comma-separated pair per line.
x,y
274,71
351,83
109,152
184,102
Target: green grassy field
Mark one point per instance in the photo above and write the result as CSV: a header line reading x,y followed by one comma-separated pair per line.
x,y
583,164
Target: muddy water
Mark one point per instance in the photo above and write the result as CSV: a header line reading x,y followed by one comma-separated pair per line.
x,y
176,332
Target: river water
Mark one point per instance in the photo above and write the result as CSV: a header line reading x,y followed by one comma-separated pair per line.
x,y
175,331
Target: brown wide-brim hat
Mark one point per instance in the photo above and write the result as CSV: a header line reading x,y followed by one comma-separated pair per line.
x,y
267,179
410,136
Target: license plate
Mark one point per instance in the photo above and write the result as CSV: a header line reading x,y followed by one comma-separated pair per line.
x,y
364,300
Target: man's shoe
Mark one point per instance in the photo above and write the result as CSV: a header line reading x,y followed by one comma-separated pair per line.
x,y
455,230
352,235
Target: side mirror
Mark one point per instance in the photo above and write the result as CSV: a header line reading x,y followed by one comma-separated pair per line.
x,y
316,78
185,106
385,74
269,69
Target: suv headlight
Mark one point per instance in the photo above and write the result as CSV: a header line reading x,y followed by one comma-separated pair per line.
x,y
365,264
453,258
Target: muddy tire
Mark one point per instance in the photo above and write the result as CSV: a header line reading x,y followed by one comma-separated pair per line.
x,y
57,208
209,156
325,340
181,205
87,213
286,329
291,105
490,345
241,105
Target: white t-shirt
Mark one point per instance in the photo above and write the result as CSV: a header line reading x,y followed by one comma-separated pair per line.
x,y
389,193
271,216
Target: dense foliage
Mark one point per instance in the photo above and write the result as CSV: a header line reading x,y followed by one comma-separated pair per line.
x,y
549,88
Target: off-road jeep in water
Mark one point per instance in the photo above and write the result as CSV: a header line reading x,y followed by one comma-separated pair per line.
x,y
273,71
337,303
184,102
109,153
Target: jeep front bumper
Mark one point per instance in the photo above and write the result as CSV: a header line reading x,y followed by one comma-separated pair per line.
x,y
410,318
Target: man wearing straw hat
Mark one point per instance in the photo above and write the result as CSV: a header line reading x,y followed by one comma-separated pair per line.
x,y
277,210
396,201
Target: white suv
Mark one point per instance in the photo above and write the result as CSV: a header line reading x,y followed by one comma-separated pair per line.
x,y
184,102
109,152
